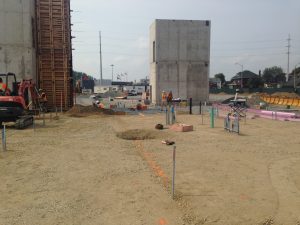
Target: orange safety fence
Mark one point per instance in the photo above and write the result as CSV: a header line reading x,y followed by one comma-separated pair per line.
x,y
296,102
272,100
281,100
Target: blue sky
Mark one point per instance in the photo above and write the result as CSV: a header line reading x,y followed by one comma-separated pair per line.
x,y
250,32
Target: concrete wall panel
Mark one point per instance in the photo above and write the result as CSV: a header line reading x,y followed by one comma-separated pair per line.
x,y
182,59
17,53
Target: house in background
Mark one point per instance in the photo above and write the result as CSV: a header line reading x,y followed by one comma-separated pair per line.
x,y
242,79
215,83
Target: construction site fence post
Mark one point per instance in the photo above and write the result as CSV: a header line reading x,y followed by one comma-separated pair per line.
x,y
200,108
173,173
212,117
173,115
44,122
33,124
191,106
167,115
4,137
61,102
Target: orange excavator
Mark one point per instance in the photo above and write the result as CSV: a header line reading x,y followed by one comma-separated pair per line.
x,y
18,101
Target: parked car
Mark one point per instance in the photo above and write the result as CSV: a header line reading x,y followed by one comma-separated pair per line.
x,y
132,93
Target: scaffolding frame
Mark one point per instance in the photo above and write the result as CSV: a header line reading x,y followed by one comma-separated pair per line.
x,y
54,52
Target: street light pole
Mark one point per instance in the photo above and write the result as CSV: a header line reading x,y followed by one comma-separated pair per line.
x,y
241,65
112,72
295,76
101,76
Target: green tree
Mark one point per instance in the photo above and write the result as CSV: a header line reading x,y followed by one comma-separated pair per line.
x,y
255,82
221,76
270,74
297,71
280,78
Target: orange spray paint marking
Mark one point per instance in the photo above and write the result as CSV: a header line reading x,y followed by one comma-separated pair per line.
x,y
162,221
244,197
149,158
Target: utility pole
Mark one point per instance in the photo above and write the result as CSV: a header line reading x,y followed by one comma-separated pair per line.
x,y
101,76
112,72
288,53
295,76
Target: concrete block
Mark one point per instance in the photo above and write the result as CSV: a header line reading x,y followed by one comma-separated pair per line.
x,y
182,127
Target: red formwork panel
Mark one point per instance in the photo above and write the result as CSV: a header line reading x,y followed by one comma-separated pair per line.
x,y
54,52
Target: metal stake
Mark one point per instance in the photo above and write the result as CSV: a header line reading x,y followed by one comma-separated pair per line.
x,y
4,137
33,124
212,118
44,122
173,177
200,108
167,116
61,102
191,106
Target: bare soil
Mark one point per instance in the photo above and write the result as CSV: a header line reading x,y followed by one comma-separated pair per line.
x,y
137,134
76,170
286,94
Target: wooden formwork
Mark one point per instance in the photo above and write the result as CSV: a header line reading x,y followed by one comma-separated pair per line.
x,y
54,52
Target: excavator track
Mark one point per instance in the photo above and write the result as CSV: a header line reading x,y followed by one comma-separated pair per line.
x,y
23,122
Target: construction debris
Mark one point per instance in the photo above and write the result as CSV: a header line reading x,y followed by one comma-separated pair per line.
x,y
167,142
159,126
81,111
182,127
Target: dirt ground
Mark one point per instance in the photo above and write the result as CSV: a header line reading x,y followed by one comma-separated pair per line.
x,y
76,170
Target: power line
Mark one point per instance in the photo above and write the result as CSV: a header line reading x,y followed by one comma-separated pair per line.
x,y
288,53
247,55
248,41
110,53
247,49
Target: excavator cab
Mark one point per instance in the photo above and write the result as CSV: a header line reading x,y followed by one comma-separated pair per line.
x,y
8,85
16,98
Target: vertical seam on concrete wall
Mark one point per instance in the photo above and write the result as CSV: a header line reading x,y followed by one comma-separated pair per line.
x,y
178,60
23,43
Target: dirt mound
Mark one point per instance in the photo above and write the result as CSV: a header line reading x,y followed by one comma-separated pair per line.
x,y
111,94
138,134
81,111
286,94
223,93
254,100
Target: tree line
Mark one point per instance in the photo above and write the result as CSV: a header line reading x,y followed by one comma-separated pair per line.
x,y
271,75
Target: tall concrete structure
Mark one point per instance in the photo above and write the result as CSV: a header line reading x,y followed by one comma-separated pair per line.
x,y
36,43
17,41
180,59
